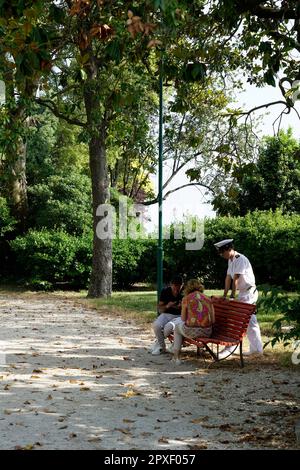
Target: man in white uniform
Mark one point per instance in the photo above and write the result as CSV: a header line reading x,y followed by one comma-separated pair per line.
x,y
240,275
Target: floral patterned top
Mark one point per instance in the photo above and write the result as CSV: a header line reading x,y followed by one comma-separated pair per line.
x,y
199,310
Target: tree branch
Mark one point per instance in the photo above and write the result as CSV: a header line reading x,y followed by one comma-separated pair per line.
x,y
50,105
246,113
154,201
256,8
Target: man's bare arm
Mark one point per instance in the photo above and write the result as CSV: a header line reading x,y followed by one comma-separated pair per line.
x,y
227,285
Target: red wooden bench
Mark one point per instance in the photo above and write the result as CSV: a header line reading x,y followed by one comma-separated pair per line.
x,y
231,323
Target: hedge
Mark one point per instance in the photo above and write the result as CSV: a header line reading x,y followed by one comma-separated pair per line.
x,y
270,240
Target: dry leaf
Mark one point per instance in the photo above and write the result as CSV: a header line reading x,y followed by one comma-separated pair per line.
x,y
225,427
197,446
126,431
130,393
95,439
154,43
197,420
28,447
46,410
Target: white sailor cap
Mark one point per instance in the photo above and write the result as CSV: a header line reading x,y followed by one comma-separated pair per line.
x,y
223,243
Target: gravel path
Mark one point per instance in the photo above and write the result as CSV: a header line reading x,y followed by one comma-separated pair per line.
x,y
75,378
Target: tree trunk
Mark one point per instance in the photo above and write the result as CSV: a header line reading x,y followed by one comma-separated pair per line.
x,y
101,277
16,180
15,154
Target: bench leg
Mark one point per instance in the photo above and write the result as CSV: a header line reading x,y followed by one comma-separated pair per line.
x,y
213,355
241,354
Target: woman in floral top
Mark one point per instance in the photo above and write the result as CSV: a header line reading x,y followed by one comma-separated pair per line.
x,y
197,316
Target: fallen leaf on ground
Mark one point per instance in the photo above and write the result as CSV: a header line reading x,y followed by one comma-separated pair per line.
x,y
163,440
46,410
199,420
126,431
225,427
94,439
130,393
197,446
28,447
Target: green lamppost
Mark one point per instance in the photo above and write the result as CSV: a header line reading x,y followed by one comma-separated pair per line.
x,y
160,252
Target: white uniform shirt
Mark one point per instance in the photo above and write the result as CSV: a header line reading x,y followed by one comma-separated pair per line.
x,y
246,281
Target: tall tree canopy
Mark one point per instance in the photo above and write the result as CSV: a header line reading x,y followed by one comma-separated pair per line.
x,y
272,182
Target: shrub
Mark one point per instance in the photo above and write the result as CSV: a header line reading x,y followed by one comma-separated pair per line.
x,y
53,257
273,299
127,261
62,202
269,239
7,222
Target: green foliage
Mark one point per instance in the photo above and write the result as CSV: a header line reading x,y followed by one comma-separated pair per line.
x,y
270,240
287,327
127,261
53,147
7,221
52,258
49,258
8,226
62,202
263,38
273,183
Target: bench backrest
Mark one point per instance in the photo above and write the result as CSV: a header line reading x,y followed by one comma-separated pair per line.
x,y
231,319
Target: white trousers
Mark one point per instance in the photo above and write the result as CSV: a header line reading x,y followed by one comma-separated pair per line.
x,y
253,331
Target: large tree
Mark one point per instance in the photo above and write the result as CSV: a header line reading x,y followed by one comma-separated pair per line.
x,y
271,183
